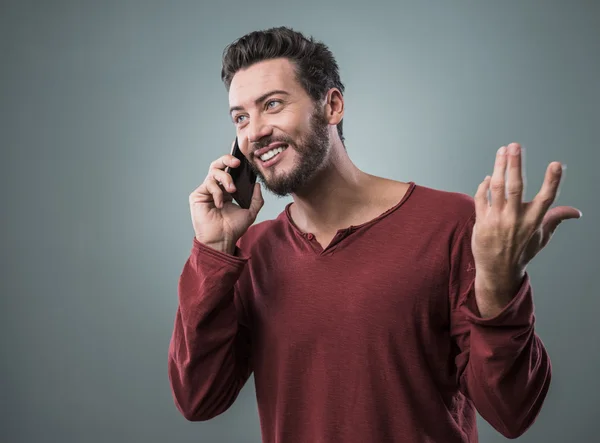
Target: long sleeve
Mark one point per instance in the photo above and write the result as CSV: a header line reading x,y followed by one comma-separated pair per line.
x,y
503,367
209,352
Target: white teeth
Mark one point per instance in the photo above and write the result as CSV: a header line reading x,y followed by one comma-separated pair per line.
x,y
272,153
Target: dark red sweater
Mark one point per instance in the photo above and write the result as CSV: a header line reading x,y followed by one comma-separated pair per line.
x,y
374,339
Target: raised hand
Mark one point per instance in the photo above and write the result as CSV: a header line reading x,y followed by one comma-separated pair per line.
x,y
218,222
509,232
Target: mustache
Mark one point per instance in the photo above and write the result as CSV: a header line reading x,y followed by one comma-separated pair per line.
x,y
268,140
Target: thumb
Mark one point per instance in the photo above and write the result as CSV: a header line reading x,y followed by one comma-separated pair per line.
x,y
556,216
257,201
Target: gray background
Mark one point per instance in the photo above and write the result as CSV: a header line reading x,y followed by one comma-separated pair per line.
x,y
112,111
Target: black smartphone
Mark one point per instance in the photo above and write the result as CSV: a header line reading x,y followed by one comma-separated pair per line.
x,y
243,177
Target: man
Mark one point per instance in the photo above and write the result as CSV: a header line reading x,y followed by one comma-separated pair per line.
x,y
369,310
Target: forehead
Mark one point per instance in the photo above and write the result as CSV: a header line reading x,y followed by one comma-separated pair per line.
x,y
260,78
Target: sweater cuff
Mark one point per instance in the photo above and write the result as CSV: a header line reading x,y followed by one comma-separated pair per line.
x,y
200,249
518,312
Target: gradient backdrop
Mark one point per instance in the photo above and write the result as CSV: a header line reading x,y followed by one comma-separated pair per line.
x,y
111,112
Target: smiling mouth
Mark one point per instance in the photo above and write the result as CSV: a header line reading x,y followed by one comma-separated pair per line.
x,y
273,153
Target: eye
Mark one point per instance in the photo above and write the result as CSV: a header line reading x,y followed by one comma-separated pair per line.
x,y
271,103
238,118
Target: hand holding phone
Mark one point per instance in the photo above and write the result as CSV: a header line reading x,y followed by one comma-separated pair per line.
x,y
243,177
216,220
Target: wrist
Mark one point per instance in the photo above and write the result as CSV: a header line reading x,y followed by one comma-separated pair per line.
x,y
494,292
499,282
226,246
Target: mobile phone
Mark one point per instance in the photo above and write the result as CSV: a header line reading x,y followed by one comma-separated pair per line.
x,y
243,177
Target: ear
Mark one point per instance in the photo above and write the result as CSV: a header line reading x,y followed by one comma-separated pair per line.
x,y
334,106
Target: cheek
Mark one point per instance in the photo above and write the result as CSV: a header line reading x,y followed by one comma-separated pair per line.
x,y
294,124
244,144
293,157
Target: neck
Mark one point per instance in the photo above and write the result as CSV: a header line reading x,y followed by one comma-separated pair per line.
x,y
332,197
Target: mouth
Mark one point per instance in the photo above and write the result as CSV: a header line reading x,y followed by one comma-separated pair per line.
x,y
271,154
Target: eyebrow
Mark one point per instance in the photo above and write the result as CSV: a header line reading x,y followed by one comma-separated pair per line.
x,y
260,99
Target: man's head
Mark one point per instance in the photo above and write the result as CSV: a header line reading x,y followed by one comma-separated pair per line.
x,y
284,92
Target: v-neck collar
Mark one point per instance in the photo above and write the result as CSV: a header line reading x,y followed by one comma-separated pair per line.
x,y
344,232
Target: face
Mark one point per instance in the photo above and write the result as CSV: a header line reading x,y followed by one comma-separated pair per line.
x,y
280,130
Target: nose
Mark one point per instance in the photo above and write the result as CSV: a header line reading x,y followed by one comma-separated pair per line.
x,y
257,130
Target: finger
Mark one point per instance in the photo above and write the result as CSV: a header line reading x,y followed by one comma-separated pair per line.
x,y
498,182
199,195
514,186
257,201
481,196
225,161
544,199
556,216
224,178
215,190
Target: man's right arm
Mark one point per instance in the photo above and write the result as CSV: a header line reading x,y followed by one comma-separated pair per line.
x,y
209,353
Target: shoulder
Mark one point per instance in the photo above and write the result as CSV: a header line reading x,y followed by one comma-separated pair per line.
x,y
436,213
449,205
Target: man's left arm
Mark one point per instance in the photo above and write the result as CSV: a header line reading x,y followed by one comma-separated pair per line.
x,y
503,366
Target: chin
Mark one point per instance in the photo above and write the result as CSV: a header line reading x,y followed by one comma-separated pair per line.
x,y
277,172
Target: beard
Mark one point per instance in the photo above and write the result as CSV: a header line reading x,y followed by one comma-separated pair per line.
x,y
312,151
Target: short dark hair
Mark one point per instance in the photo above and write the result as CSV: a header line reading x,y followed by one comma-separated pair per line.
x,y
316,68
